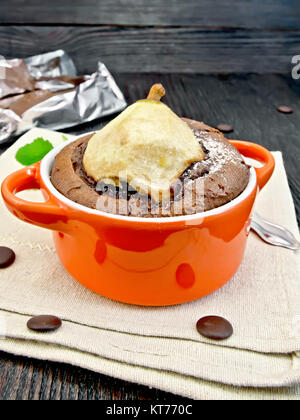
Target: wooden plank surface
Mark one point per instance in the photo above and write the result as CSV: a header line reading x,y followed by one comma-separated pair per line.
x,y
205,13
170,50
248,102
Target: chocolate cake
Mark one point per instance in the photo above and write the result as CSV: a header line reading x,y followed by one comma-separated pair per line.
x,y
212,182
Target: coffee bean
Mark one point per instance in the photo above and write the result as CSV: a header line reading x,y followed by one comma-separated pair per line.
x,y
285,109
44,323
215,328
225,128
7,257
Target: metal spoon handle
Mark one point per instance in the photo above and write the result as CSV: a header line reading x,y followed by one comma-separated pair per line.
x,y
274,234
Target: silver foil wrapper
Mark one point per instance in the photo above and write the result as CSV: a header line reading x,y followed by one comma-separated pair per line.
x,y
97,96
52,64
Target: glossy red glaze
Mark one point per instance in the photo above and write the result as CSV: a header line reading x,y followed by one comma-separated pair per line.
x,y
151,262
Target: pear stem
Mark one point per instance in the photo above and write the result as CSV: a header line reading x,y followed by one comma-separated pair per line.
x,y
156,92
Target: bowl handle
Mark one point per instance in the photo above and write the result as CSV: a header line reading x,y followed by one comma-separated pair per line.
x,y
257,152
48,215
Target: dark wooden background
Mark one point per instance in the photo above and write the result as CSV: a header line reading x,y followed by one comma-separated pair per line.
x,y
219,60
203,36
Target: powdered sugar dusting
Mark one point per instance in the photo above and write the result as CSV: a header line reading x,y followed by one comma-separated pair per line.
x,y
218,153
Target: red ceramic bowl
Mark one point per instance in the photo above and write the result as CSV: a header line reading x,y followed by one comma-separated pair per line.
x,y
153,262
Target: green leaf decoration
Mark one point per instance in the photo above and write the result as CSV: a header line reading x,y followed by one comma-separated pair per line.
x,y
65,138
33,152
